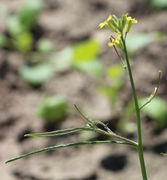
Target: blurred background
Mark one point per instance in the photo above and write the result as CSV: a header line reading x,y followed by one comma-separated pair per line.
x,y
53,55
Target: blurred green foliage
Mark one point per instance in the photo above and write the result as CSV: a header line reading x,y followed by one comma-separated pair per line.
x,y
140,40
160,4
3,41
25,19
23,42
87,135
53,109
20,26
115,75
36,75
86,51
126,123
85,57
44,45
82,56
156,110
62,60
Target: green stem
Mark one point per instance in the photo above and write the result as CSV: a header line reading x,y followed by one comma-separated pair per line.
x,y
140,145
113,135
60,146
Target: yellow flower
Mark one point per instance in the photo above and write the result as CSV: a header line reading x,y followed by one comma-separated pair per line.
x,y
102,24
132,20
111,44
109,18
115,41
118,38
129,22
106,22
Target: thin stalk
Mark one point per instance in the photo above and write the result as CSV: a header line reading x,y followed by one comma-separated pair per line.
x,y
113,135
139,131
60,146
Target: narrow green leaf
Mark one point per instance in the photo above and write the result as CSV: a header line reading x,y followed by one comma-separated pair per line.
x,y
89,121
59,132
53,148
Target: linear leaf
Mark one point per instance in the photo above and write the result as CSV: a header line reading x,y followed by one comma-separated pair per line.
x,y
53,148
58,132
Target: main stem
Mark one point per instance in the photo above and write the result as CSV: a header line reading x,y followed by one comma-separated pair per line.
x,y
140,145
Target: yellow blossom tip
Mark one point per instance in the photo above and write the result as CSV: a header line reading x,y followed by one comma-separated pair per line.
x,y
134,21
129,18
110,44
102,24
115,41
109,18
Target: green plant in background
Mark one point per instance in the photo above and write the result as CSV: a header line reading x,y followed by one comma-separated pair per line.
x,y
36,75
52,109
21,36
20,29
20,26
82,57
3,41
116,73
112,89
126,122
77,57
159,4
140,40
157,110
44,46
119,28
62,60
85,57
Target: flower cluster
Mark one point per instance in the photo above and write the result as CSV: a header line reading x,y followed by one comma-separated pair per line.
x,y
115,41
120,26
106,23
